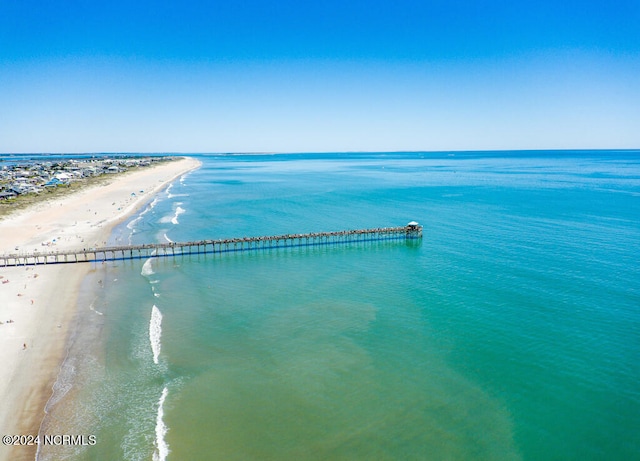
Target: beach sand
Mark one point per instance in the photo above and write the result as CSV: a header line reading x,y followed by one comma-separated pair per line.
x,y
37,303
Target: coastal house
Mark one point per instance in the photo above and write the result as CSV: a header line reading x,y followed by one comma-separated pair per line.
x,y
64,177
71,168
54,182
22,173
18,188
113,169
7,194
32,189
25,188
89,171
41,179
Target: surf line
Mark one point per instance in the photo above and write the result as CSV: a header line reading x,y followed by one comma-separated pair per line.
x,y
155,332
162,448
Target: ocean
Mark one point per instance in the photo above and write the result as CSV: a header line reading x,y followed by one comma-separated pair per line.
x,y
511,331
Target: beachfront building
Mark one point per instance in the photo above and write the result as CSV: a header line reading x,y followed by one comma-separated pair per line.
x,y
5,195
30,178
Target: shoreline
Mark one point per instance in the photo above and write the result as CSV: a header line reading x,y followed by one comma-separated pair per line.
x,y
41,301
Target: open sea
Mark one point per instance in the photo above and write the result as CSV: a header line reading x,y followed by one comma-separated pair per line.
x,y
512,331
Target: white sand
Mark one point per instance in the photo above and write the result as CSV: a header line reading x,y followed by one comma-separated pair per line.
x,y
36,303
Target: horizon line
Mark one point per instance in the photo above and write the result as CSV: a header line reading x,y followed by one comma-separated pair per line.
x,y
168,153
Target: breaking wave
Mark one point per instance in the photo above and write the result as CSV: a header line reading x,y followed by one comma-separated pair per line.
x,y
155,331
179,211
162,449
147,268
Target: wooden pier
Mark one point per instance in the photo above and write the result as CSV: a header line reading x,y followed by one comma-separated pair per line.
x,y
411,231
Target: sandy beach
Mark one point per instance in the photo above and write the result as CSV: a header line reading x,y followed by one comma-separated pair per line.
x,y
38,302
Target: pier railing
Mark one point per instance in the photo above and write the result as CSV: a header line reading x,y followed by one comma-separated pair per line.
x,y
156,250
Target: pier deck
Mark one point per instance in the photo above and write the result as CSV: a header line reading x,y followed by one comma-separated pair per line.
x,y
412,231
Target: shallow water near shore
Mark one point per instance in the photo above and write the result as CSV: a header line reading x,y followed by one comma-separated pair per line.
x,y
511,331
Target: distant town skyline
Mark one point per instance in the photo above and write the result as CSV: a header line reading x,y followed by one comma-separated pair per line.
x,y
265,76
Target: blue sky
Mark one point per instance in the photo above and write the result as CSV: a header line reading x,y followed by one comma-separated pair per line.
x,y
292,76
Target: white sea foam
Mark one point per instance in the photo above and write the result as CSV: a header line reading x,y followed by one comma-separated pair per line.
x,y
168,239
64,381
155,331
94,309
170,195
133,222
147,268
162,449
179,211
150,207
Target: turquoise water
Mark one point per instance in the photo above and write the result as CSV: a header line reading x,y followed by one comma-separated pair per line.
x,y
512,331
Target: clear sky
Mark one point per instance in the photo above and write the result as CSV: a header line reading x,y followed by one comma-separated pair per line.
x,y
295,76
